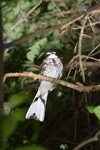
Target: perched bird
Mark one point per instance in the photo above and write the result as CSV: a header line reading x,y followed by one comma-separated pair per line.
x,y
52,67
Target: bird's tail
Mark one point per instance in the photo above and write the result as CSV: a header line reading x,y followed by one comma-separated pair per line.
x,y
37,108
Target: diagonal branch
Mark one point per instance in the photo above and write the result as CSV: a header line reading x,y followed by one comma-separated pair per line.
x,y
22,18
78,86
95,138
31,36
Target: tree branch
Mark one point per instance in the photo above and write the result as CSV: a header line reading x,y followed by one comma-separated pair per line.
x,y
22,18
95,138
33,35
80,47
85,64
78,86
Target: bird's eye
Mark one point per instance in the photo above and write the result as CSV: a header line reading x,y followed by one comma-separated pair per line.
x,y
46,55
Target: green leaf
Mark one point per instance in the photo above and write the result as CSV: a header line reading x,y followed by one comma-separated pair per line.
x,y
25,141
9,125
17,99
98,122
30,148
90,109
32,69
7,26
80,1
36,131
6,89
19,114
32,29
30,56
97,112
16,10
48,17
50,6
42,42
34,50
56,33
52,45
26,5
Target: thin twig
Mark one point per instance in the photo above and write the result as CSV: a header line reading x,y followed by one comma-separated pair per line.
x,y
95,53
63,12
88,57
57,8
95,138
71,67
72,21
94,23
40,1
37,66
93,50
75,74
80,47
85,64
22,19
21,13
5,51
75,48
91,25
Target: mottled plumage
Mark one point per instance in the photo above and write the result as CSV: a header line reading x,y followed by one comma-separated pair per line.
x,y
51,67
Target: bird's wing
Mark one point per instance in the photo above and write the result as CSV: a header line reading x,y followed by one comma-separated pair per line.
x,y
44,69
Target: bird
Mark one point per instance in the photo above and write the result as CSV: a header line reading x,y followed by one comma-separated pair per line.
x,y
51,67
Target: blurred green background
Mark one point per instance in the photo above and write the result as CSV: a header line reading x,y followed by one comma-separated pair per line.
x,y
67,119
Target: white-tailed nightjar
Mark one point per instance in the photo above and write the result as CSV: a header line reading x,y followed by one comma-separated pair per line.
x,y
52,67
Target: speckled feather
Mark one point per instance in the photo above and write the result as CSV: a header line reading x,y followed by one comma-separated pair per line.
x,y
51,67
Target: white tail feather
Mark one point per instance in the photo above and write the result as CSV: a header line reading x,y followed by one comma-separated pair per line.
x,y
37,108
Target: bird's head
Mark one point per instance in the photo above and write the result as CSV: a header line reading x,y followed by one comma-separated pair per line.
x,y
51,55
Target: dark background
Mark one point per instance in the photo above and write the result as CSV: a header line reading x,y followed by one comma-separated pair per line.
x,y
67,122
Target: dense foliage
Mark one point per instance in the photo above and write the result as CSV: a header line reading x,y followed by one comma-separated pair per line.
x,y
71,116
